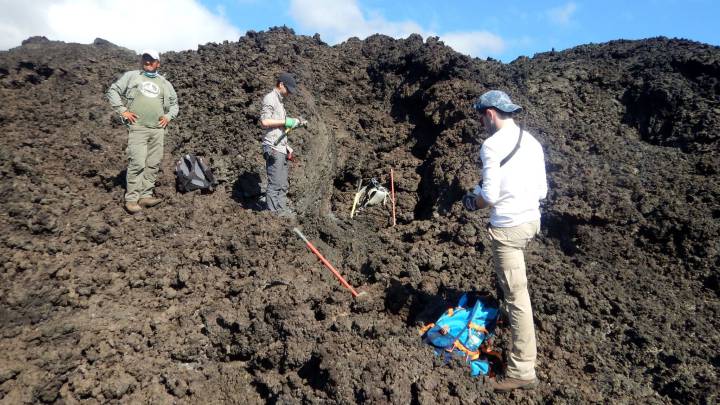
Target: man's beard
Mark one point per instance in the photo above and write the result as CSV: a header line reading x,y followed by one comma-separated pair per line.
x,y
491,128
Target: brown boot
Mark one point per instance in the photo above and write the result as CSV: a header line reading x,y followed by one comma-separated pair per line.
x,y
132,207
505,384
149,202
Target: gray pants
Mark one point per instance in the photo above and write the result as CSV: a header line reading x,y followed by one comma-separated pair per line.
x,y
508,245
277,166
144,153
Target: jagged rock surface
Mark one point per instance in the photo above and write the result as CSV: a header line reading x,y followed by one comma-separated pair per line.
x,y
205,300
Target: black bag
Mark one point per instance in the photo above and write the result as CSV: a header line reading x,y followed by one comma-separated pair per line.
x,y
192,173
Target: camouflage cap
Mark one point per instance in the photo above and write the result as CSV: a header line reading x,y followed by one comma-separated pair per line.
x,y
496,99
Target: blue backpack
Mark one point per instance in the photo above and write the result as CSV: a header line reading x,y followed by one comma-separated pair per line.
x,y
466,331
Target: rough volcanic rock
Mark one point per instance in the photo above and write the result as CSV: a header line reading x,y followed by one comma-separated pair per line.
x,y
205,299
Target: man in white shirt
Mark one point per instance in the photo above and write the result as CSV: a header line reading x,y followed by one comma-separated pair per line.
x,y
513,184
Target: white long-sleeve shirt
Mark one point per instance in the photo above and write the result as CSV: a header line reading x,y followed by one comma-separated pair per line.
x,y
514,190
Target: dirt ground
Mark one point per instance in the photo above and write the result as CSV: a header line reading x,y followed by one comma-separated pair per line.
x,y
205,299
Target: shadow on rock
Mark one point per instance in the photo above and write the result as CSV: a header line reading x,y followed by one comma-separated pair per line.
x,y
247,191
421,307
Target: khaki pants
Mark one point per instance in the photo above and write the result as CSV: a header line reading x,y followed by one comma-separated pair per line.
x,y
508,245
144,153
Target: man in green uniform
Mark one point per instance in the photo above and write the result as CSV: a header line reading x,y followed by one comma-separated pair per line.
x,y
150,104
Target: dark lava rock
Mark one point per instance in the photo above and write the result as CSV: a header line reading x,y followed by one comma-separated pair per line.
x,y
205,299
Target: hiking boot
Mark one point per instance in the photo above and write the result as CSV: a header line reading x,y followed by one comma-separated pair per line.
x,y
148,202
505,384
132,207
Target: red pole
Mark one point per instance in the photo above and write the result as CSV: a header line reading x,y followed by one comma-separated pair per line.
x,y
326,263
392,193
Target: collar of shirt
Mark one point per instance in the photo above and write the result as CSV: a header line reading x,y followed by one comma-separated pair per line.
x,y
280,97
509,127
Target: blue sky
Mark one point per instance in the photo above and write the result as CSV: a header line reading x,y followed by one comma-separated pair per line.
x,y
517,28
501,30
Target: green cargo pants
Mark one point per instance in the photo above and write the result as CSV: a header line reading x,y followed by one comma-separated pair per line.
x,y
144,153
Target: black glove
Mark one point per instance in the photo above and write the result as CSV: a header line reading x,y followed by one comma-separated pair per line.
x,y
469,202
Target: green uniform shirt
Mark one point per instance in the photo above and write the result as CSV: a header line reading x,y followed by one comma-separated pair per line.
x,y
134,85
148,103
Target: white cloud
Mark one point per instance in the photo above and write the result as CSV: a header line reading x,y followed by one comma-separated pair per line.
x,y
18,19
135,24
475,43
183,24
562,15
338,20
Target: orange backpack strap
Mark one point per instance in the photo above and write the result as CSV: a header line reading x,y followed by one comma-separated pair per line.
x,y
478,328
473,355
426,328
